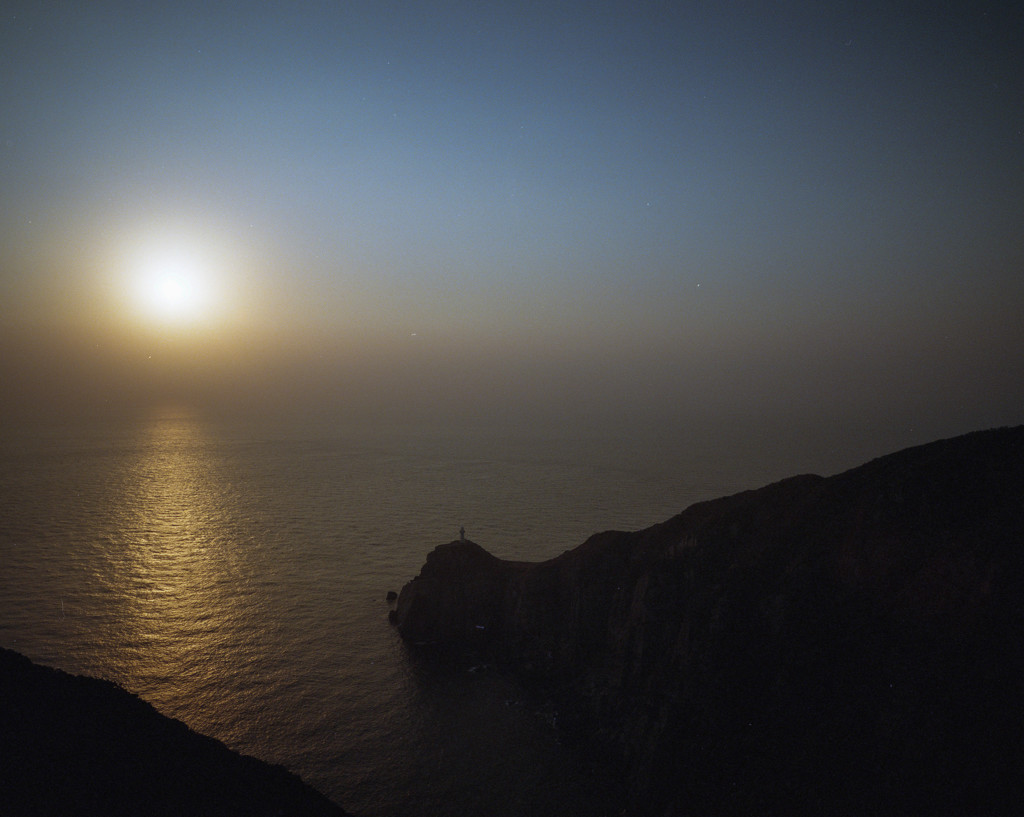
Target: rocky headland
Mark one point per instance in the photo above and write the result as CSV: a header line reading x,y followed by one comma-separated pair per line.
x,y
851,644
76,745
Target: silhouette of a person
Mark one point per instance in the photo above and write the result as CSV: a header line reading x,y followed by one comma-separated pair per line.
x,y
462,534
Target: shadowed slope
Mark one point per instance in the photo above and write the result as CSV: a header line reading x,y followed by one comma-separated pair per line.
x,y
76,745
818,642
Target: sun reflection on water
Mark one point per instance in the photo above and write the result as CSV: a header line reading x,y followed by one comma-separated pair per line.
x,y
187,581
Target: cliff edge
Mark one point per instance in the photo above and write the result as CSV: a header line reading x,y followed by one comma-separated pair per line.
x,y
76,745
853,642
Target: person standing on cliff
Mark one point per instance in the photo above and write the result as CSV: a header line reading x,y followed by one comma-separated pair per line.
x,y
462,534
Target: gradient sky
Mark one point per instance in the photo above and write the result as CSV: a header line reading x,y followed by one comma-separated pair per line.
x,y
653,214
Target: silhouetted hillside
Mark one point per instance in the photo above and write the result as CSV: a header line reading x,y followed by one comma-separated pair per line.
x,y
855,642
71,745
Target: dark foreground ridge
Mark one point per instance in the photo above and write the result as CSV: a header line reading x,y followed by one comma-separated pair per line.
x,y
852,644
76,745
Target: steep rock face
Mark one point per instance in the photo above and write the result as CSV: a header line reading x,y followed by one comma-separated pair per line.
x,y
854,641
76,745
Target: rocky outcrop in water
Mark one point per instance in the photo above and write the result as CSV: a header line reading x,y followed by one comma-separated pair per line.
x,y
76,745
852,643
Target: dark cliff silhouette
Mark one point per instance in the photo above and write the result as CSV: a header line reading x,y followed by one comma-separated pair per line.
x,y
76,745
853,642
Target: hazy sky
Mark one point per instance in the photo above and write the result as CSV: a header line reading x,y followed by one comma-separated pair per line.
x,y
653,213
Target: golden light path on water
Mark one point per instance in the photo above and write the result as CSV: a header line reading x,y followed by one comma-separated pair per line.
x,y
187,584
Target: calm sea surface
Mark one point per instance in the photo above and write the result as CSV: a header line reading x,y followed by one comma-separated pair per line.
x,y
235,577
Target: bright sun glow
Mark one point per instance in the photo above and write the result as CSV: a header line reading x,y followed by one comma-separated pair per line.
x,y
173,284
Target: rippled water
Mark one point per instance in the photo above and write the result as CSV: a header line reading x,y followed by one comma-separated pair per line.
x,y
235,578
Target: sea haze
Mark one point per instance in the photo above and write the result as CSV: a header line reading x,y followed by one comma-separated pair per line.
x,y
235,577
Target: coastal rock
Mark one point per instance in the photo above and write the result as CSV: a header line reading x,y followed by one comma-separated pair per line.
x,y
76,745
850,642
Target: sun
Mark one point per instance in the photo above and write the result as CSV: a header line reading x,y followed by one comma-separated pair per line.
x,y
179,279
173,284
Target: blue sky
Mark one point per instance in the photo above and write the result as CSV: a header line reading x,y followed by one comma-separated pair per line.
x,y
816,207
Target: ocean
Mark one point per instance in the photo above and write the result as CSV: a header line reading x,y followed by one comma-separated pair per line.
x,y
234,575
